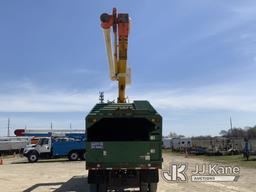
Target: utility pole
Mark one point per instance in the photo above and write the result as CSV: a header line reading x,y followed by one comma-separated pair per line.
x,y
231,126
70,126
51,125
8,128
101,97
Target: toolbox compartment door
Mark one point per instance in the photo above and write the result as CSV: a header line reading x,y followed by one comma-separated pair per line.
x,y
124,154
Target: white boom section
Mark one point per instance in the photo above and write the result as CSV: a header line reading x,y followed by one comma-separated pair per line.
x,y
108,43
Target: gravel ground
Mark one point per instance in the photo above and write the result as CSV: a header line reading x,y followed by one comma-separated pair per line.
x,y
16,175
245,183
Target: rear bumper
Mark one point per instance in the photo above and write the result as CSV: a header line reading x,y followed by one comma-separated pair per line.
x,y
123,166
128,178
99,166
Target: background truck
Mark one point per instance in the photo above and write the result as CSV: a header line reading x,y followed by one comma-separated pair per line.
x,y
55,147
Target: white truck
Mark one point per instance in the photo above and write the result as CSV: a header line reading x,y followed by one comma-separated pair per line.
x,y
50,147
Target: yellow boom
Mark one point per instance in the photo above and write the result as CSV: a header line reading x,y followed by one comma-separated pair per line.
x,y
117,65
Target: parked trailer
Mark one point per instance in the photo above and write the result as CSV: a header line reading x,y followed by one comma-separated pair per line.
x,y
179,144
167,144
10,145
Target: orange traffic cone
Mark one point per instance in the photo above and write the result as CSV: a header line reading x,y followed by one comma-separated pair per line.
x,y
1,161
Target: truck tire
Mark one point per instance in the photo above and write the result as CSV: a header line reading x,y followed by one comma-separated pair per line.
x,y
152,187
98,187
143,187
73,156
82,156
102,187
32,157
93,188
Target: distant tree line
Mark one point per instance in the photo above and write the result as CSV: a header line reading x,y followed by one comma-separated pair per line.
x,y
247,132
175,135
202,137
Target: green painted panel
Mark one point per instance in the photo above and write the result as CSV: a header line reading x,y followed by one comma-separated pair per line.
x,y
120,153
123,152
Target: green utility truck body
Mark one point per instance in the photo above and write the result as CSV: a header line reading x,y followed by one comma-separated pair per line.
x,y
123,138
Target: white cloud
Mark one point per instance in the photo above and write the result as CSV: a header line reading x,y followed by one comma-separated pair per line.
x,y
203,99
218,97
47,102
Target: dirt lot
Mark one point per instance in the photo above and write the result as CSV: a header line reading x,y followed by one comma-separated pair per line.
x,y
246,182
61,175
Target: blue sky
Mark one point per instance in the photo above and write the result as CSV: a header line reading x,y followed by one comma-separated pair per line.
x,y
194,60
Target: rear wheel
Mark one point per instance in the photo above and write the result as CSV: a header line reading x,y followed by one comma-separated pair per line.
x,y
148,187
98,187
93,188
102,187
143,187
152,187
82,155
32,157
73,156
